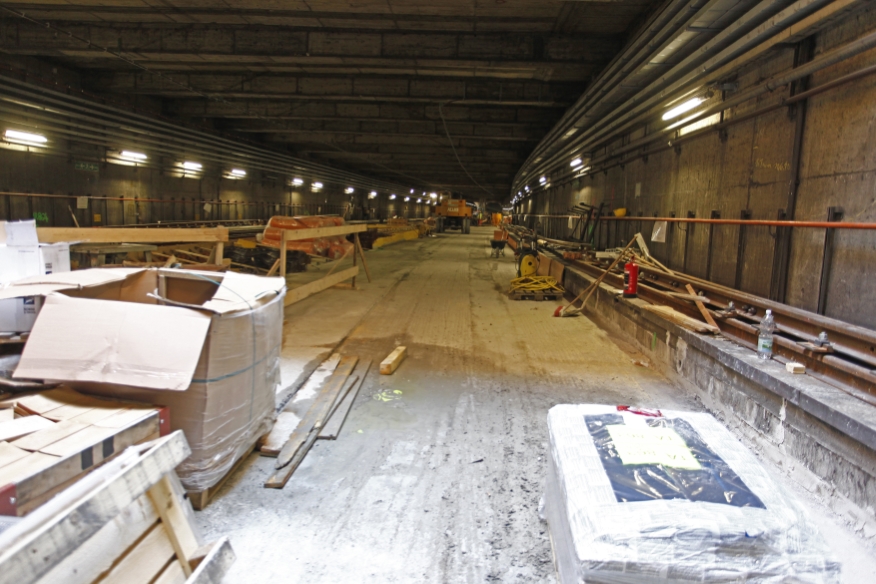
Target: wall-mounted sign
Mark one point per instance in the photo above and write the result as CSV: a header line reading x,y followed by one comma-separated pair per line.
x,y
86,166
81,202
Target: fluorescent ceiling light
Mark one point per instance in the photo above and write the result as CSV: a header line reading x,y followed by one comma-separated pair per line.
x,y
372,195
407,199
576,162
349,190
419,200
192,165
317,185
412,191
433,195
685,107
25,137
238,172
392,197
297,182
542,180
133,155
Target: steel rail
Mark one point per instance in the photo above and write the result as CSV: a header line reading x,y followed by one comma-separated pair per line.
x,y
849,366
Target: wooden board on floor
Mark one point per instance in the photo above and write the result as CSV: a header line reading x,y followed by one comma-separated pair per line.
x,y
279,434
332,428
299,444
318,410
392,361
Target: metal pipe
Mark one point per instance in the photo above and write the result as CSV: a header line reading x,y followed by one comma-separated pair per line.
x,y
787,18
854,76
749,222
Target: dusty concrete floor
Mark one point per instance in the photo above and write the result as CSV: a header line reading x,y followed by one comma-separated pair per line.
x,y
441,484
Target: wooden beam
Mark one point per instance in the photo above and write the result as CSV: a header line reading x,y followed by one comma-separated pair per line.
x,y
358,245
30,551
283,253
702,307
297,294
131,234
392,361
298,234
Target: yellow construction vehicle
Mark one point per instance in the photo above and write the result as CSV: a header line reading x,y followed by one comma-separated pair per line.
x,y
453,214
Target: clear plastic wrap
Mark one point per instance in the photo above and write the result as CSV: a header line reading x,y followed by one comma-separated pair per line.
x,y
642,498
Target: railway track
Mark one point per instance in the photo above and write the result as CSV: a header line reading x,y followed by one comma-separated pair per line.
x,y
848,363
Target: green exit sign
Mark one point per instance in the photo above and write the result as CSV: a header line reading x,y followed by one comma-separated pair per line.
x,y
86,166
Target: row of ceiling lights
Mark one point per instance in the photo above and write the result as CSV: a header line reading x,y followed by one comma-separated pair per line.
x,y
578,163
38,140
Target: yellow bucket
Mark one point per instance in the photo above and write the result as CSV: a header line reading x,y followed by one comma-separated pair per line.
x,y
622,212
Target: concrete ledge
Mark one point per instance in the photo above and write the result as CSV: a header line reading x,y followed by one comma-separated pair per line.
x,y
794,419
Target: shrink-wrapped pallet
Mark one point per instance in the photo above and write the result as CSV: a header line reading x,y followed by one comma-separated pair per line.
x,y
643,496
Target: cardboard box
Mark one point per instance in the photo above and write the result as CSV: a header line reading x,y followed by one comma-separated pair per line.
x,y
17,315
21,257
206,345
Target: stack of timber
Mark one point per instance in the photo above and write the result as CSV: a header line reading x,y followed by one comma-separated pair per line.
x,y
321,417
50,439
127,521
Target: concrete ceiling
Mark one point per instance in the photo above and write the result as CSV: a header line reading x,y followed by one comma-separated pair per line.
x,y
398,89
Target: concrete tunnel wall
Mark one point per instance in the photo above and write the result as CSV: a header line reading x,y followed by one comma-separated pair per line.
x,y
157,193
750,168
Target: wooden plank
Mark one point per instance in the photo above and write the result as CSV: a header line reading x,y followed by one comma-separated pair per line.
x,y
131,234
332,428
283,252
679,318
9,453
361,251
23,426
45,437
26,466
32,490
125,417
702,308
300,293
212,569
348,386
97,555
97,414
169,507
172,574
144,561
79,441
46,401
392,361
299,234
32,548
279,435
318,410
66,412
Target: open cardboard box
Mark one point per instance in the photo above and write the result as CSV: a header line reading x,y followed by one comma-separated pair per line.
x,y
206,345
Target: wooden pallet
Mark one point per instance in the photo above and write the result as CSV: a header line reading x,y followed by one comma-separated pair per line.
x,y
127,521
78,434
539,296
200,499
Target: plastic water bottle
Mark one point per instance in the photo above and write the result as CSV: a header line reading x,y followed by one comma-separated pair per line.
x,y
765,337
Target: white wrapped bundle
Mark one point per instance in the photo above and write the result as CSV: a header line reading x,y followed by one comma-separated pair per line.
x,y
642,498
